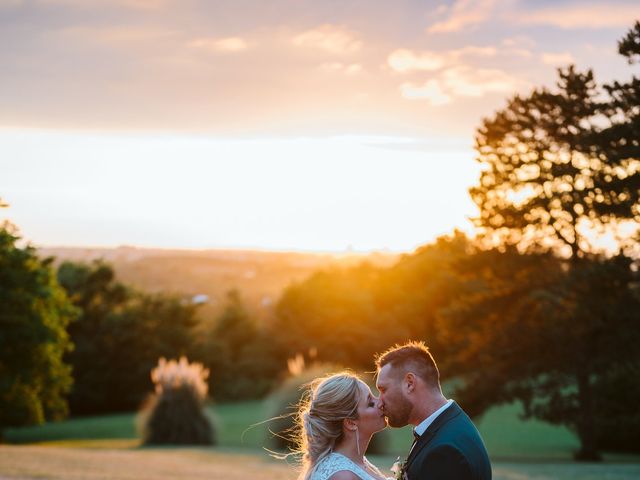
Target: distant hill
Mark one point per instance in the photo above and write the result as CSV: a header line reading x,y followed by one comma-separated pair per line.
x,y
260,276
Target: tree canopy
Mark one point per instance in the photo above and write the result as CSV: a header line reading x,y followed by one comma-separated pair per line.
x,y
242,354
560,165
526,327
33,338
119,336
553,322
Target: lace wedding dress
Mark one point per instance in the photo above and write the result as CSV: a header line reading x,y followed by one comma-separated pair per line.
x,y
336,462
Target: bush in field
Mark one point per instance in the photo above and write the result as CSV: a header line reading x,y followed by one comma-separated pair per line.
x,y
283,405
176,414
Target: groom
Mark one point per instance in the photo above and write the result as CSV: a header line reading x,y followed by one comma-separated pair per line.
x,y
447,445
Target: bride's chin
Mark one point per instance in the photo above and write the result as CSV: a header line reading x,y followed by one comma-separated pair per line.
x,y
382,427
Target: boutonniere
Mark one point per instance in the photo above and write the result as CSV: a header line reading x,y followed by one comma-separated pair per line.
x,y
398,470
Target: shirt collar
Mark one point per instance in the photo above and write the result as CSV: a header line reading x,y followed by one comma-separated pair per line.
x,y
422,427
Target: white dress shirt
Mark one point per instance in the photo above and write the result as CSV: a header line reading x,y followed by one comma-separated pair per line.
x,y
422,427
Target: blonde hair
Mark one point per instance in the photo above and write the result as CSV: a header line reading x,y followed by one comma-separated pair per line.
x,y
328,402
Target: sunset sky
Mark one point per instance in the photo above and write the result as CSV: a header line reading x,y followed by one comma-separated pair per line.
x,y
290,124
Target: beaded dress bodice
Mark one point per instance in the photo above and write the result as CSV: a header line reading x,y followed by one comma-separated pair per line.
x,y
336,462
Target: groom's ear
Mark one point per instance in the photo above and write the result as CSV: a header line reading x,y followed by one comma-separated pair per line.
x,y
410,382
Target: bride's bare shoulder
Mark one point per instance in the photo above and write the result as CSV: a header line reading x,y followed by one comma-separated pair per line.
x,y
344,475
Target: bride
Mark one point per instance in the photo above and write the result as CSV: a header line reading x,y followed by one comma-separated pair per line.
x,y
335,424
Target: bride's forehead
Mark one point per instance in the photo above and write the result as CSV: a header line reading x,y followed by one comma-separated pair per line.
x,y
364,390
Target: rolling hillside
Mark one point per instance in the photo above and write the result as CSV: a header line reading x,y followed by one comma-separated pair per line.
x,y
260,276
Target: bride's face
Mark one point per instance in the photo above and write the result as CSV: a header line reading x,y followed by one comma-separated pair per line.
x,y
370,416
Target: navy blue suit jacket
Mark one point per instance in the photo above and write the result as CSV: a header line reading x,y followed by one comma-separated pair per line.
x,y
450,449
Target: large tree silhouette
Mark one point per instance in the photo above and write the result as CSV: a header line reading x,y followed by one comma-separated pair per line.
x,y
557,164
549,325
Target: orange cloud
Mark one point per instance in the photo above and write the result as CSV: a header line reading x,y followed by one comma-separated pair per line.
x,y
430,91
460,81
406,61
331,38
403,60
557,58
229,44
463,14
475,82
337,67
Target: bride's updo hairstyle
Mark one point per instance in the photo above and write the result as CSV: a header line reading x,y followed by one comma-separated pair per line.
x,y
328,402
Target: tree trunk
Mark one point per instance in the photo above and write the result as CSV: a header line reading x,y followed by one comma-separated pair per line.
x,y
586,426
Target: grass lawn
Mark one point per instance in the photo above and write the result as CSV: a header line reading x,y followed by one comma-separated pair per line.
x,y
506,436
69,463
47,462
107,447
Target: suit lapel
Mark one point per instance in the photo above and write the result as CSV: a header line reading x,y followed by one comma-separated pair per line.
x,y
450,413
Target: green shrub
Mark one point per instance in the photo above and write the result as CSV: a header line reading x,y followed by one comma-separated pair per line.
x,y
175,413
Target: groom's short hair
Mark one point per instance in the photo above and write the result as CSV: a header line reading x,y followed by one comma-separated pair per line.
x,y
412,356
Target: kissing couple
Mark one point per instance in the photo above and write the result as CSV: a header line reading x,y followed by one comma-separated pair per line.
x,y
341,414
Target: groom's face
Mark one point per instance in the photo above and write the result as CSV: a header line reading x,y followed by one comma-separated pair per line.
x,y
395,405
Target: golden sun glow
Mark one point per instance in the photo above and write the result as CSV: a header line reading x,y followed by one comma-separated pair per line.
x,y
360,193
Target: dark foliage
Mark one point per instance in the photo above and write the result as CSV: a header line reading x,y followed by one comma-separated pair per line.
x,y
119,336
243,356
34,314
554,334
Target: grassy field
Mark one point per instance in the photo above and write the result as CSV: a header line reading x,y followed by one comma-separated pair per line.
x,y
506,436
70,463
107,447
46,462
